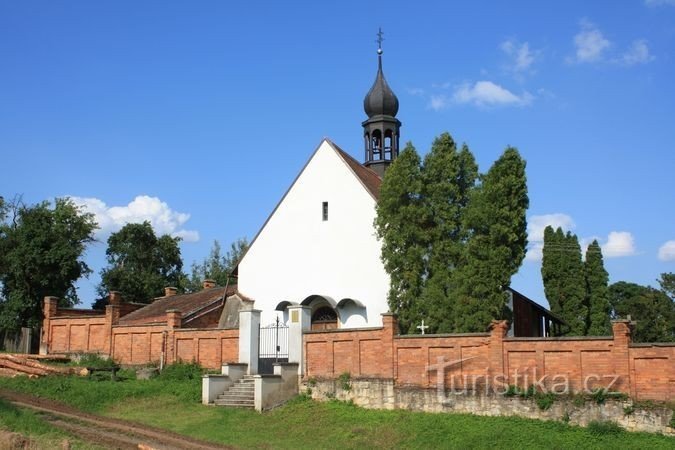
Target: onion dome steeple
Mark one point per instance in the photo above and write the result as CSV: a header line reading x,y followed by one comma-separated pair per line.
x,y
381,129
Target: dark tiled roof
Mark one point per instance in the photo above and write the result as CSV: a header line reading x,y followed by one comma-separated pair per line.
x,y
187,304
370,180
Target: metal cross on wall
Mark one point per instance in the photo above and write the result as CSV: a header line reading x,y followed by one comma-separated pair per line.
x,y
422,327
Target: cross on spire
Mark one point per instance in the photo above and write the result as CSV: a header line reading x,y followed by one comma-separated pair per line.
x,y
422,327
379,40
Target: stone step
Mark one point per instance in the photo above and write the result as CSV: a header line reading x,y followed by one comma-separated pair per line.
x,y
246,393
236,404
236,397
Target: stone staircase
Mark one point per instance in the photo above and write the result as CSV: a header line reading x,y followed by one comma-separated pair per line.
x,y
239,395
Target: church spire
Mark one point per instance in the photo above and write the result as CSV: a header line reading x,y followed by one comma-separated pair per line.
x,y
381,129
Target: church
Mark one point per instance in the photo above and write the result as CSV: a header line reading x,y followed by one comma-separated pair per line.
x,y
322,232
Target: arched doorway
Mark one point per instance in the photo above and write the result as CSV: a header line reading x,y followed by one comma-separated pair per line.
x,y
324,318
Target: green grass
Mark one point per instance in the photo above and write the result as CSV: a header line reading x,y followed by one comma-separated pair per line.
x,y
172,402
31,425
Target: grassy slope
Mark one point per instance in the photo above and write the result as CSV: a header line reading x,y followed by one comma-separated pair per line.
x,y
31,425
174,405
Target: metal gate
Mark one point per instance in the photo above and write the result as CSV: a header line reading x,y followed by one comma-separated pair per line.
x,y
273,346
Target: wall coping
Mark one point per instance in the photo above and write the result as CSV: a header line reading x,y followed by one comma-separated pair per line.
x,y
422,336
560,338
652,344
160,324
84,316
215,375
182,330
342,330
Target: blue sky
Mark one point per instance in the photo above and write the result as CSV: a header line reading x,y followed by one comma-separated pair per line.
x,y
198,115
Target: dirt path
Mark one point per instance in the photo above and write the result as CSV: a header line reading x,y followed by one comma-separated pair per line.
x,y
104,431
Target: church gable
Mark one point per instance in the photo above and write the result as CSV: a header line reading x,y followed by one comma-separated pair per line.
x,y
320,239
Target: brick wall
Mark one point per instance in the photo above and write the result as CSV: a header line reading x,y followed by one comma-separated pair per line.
x,y
137,344
475,361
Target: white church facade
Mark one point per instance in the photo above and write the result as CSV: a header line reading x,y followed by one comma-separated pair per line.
x,y
322,231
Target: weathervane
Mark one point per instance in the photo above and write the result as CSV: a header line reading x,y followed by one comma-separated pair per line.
x,y
379,40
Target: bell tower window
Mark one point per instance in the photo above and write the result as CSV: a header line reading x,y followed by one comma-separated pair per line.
x,y
324,211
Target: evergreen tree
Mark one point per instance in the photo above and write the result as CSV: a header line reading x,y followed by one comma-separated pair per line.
x,y
41,249
448,177
563,275
404,243
597,292
140,264
496,216
551,268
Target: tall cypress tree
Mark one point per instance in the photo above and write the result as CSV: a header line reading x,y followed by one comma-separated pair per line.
x,y
399,224
496,217
448,177
597,292
563,275
551,267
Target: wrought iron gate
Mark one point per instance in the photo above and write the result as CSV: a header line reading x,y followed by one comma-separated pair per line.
x,y
273,346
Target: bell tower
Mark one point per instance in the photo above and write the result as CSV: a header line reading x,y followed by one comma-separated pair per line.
x,y
381,130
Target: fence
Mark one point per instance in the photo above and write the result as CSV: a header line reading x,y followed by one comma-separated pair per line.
x,y
491,360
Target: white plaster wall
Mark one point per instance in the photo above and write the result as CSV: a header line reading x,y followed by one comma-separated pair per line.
x,y
297,254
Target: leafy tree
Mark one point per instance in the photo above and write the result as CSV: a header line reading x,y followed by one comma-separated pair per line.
x,y
667,283
496,216
140,264
653,310
41,248
448,177
399,224
216,267
597,293
563,275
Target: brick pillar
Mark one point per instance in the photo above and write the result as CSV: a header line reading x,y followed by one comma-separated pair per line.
x,y
49,309
621,330
112,317
390,330
173,318
498,331
173,321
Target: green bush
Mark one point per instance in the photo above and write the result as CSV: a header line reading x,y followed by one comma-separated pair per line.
x,y
602,428
512,391
345,381
94,360
599,396
545,401
181,371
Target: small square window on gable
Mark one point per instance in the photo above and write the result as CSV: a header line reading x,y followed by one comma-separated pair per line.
x,y
324,211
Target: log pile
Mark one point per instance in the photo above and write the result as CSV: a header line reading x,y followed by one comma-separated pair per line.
x,y
13,364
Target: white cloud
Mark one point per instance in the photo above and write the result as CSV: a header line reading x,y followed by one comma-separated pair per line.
x,y
659,2
162,218
535,231
416,91
521,56
438,102
667,251
619,243
637,53
487,93
590,43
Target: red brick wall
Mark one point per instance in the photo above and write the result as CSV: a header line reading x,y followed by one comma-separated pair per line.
x,y
210,348
652,370
138,344
643,371
76,334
